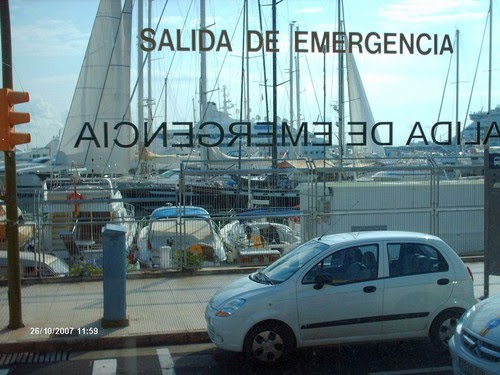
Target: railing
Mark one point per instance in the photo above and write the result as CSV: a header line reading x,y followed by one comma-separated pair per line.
x,y
308,198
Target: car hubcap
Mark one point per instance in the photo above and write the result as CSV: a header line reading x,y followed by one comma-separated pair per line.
x,y
267,346
447,330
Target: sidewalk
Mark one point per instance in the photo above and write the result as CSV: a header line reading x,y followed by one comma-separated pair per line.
x,y
165,310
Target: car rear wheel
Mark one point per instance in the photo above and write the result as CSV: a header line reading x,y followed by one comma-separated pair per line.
x,y
443,327
268,343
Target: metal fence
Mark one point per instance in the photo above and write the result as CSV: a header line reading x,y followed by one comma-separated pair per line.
x,y
257,210
422,199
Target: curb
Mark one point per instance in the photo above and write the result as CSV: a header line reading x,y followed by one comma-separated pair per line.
x,y
141,275
103,343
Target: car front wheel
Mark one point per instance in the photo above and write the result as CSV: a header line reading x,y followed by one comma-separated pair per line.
x,y
443,327
268,343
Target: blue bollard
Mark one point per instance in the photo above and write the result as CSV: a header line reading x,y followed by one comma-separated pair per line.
x,y
115,276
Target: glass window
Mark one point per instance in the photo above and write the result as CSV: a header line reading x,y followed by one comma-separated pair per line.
x,y
349,265
414,258
290,263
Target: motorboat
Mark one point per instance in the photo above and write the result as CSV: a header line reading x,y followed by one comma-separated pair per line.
x,y
26,231
34,264
258,239
174,234
76,209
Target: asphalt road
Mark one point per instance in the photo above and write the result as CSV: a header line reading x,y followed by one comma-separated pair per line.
x,y
394,358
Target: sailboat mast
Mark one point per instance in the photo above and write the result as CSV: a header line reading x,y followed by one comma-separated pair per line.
x,y
247,70
297,94
457,126
203,78
275,95
490,54
203,67
487,175
341,87
264,65
291,74
140,86
242,81
150,88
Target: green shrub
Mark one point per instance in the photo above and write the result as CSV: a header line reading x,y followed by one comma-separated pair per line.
x,y
85,268
193,261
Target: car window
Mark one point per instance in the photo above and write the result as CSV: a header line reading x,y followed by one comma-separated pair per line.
x,y
294,260
353,264
413,258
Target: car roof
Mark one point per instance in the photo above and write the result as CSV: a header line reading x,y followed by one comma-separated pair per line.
x,y
356,237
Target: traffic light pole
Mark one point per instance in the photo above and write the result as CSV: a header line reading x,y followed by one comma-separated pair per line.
x,y
10,197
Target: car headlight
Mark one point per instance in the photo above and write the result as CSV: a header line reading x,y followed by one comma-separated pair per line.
x,y
464,317
228,308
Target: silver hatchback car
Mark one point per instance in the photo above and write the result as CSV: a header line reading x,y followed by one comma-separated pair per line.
x,y
344,288
475,346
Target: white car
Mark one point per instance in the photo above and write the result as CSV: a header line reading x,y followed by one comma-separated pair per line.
x,y
344,288
475,346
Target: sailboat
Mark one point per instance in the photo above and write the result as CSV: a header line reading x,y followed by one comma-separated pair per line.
x,y
482,121
92,132
79,198
91,135
360,111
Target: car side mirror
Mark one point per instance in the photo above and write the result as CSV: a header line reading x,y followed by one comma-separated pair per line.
x,y
321,280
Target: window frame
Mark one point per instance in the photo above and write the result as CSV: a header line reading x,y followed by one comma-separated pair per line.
x,y
415,266
371,247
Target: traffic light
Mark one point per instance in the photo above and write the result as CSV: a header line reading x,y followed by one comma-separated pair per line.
x,y
8,119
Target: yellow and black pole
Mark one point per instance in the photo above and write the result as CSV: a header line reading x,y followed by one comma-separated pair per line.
x,y
8,141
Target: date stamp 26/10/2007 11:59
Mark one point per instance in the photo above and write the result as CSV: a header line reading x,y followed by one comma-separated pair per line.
x,y
64,331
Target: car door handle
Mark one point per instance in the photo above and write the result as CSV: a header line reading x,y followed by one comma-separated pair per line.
x,y
443,281
369,289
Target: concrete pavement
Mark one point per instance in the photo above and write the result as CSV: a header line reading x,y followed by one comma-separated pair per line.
x,y
67,315
163,310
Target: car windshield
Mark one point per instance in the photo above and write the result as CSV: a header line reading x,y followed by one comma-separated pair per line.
x,y
290,263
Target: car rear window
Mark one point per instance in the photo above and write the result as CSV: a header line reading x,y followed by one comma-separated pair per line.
x,y
408,258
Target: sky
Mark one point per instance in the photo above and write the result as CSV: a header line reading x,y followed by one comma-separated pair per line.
x,y
49,39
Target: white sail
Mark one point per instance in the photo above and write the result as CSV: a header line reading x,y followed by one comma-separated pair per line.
x,y
360,111
102,96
